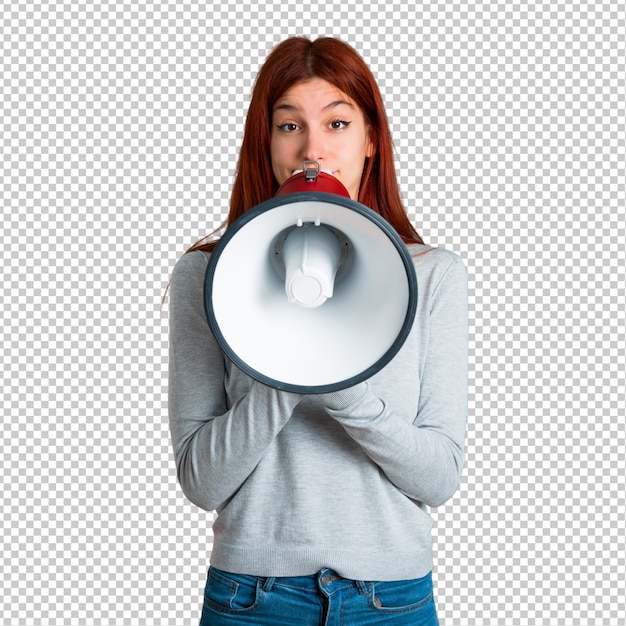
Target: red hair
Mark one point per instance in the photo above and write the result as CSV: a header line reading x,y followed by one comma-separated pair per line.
x,y
299,59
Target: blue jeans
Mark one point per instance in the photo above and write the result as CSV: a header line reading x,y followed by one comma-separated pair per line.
x,y
324,599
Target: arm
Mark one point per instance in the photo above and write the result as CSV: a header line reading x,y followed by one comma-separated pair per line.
x,y
216,446
423,459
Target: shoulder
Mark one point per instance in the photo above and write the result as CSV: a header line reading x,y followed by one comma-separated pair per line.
x,y
187,279
191,263
439,271
190,267
435,262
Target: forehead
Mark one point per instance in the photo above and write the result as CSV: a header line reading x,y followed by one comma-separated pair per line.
x,y
313,93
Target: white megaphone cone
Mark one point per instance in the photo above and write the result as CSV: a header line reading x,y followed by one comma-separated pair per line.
x,y
311,291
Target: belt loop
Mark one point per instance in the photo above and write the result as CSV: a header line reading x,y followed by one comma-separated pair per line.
x,y
268,584
363,587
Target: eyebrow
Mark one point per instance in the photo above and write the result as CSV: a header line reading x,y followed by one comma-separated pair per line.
x,y
290,107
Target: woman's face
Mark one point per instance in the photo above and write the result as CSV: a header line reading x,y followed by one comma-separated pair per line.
x,y
315,121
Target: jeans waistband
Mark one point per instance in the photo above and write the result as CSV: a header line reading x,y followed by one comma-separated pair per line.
x,y
326,580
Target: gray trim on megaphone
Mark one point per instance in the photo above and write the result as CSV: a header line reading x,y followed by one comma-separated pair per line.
x,y
294,198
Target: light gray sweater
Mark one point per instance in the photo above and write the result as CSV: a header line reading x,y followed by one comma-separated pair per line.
x,y
340,480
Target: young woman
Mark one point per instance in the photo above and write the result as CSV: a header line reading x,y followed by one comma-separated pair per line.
x,y
321,499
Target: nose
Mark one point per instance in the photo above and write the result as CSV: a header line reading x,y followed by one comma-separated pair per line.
x,y
314,149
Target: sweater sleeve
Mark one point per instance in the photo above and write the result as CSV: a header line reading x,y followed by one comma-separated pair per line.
x,y
216,446
423,459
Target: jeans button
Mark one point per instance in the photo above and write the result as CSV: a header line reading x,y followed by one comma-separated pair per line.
x,y
329,578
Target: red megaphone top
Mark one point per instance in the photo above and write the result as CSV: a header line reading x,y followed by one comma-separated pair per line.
x,y
312,179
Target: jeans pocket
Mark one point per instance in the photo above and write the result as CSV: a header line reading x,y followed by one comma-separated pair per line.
x,y
231,593
403,596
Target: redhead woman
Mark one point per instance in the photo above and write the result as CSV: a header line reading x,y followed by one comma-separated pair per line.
x,y
321,499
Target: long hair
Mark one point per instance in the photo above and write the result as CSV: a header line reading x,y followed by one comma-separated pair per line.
x,y
299,59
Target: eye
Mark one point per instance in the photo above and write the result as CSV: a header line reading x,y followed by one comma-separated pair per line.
x,y
289,127
339,124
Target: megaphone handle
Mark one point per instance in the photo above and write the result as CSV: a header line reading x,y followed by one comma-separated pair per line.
x,y
311,171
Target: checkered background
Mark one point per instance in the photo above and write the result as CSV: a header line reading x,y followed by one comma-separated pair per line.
x,y
120,124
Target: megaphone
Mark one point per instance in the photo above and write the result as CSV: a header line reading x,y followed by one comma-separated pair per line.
x,y
310,291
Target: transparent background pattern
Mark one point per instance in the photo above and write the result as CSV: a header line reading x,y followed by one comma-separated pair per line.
x,y
120,124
